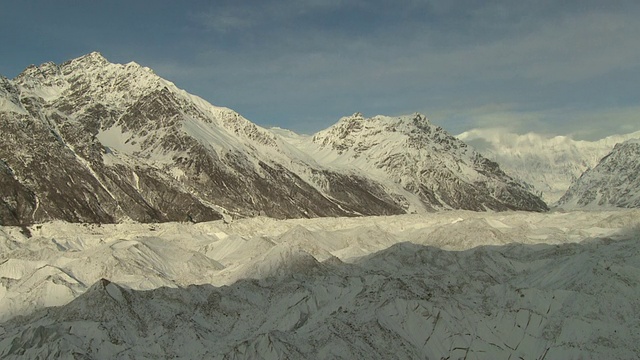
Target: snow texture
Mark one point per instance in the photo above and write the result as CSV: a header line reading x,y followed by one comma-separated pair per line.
x,y
93,141
446,285
614,182
549,164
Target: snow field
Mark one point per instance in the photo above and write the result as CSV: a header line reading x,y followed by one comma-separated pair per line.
x,y
61,260
451,284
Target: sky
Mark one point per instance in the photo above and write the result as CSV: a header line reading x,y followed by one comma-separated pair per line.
x,y
568,67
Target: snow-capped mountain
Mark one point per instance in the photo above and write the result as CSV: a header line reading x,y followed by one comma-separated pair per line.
x,y
567,290
548,164
419,162
93,141
614,182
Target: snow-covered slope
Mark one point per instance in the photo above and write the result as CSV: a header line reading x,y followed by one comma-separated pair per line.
x,y
549,164
614,182
419,162
103,142
453,284
93,141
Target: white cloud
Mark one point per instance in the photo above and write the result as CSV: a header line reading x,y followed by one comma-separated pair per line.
x,y
577,123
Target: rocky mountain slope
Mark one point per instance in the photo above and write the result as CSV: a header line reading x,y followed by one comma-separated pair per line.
x,y
419,162
614,182
568,289
549,164
92,141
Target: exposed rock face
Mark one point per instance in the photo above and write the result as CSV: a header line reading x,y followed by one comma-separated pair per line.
x,y
426,161
92,141
55,167
614,182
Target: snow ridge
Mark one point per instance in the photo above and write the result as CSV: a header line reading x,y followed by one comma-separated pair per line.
x,y
410,154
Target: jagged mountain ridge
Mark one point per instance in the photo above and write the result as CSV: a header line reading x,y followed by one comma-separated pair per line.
x,y
92,141
425,160
613,182
141,138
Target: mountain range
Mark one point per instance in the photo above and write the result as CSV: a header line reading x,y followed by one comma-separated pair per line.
x,y
112,174
92,141
550,165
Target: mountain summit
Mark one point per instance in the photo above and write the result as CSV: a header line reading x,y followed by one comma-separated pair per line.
x,y
423,160
93,141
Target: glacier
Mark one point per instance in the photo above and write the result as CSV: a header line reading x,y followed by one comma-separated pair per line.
x,y
455,284
138,232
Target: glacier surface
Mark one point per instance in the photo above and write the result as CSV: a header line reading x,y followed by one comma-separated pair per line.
x,y
454,284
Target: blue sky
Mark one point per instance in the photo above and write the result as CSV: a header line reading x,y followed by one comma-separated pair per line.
x,y
557,67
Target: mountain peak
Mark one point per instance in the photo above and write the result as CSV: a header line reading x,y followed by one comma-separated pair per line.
x,y
41,72
50,68
89,61
90,79
424,159
356,129
92,57
418,117
138,147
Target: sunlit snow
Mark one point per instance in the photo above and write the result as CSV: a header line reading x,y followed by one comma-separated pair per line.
x,y
458,284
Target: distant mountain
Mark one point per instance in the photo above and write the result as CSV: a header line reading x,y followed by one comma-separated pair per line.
x,y
92,141
614,182
420,162
549,165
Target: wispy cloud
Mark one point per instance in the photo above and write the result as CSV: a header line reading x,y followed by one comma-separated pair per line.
x,y
225,20
227,16
459,62
580,124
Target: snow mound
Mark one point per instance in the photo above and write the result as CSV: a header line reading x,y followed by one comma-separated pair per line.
x,y
572,300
